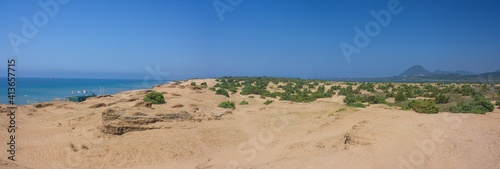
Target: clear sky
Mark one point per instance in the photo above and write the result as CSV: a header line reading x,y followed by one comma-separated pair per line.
x,y
292,38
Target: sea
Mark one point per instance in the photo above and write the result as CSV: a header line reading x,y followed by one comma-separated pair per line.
x,y
34,90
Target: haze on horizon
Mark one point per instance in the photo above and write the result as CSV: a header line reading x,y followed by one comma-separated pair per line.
x,y
188,38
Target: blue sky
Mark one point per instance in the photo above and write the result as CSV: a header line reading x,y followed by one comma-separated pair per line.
x,y
292,38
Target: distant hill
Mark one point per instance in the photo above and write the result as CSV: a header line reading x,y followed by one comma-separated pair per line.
x,y
460,72
443,72
416,71
419,71
463,72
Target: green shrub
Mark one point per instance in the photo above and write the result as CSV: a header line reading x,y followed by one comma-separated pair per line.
x,y
377,99
424,106
467,90
353,101
357,104
349,99
400,97
193,83
442,99
340,110
498,104
268,102
480,105
251,96
389,94
204,84
227,105
486,104
221,91
243,102
154,97
212,89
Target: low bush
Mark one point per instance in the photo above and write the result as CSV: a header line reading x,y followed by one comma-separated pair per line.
x,y
354,101
442,99
480,105
204,84
340,110
377,99
193,83
243,102
350,99
222,92
227,105
357,104
268,102
423,106
400,97
154,97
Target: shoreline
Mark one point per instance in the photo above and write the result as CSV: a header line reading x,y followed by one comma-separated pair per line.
x,y
30,90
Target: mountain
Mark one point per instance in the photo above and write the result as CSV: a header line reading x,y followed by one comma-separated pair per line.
x,y
416,70
442,72
418,73
459,72
463,72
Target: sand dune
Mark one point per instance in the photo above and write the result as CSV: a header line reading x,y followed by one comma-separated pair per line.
x,y
190,131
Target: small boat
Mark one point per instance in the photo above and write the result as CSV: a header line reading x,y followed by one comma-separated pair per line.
x,y
80,98
31,101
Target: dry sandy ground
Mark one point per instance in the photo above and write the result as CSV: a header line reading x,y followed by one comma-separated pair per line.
x,y
280,135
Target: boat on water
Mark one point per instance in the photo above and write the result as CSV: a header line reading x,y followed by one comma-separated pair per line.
x,y
31,101
80,98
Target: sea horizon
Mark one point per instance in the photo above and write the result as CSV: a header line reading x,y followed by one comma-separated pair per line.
x,y
35,89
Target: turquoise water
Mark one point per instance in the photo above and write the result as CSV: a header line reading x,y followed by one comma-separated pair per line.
x,y
46,89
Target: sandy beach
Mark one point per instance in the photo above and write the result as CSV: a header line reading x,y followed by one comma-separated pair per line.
x,y
190,131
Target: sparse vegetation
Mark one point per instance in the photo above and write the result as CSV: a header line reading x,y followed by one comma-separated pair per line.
x,y
444,96
377,99
442,99
227,105
357,104
353,101
154,98
268,102
423,106
480,105
243,102
222,92
193,83
340,110
400,97
204,84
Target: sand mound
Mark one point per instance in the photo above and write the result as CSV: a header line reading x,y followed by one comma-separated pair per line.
x,y
120,131
120,121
